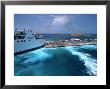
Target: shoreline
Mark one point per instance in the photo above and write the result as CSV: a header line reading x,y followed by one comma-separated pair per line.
x,y
69,45
54,44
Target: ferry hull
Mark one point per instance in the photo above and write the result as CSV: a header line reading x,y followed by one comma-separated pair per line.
x,y
28,50
23,47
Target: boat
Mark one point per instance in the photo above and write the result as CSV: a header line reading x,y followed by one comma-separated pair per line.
x,y
26,40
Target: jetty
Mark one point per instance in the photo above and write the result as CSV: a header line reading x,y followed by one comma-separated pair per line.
x,y
72,42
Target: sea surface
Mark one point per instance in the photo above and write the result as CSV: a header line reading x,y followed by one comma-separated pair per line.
x,y
56,37
59,61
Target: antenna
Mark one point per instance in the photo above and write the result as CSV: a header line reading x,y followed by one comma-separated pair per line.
x,y
15,29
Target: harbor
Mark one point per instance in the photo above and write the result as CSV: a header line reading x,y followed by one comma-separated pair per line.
x,y
58,44
71,42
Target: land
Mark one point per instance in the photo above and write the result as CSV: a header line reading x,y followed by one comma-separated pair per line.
x,y
72,42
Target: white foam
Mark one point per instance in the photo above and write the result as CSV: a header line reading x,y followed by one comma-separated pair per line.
x,y
90,63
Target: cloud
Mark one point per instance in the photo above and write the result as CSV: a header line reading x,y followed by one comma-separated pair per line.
x,y
60,20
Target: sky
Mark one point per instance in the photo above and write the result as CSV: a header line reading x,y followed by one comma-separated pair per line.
x,y
57,23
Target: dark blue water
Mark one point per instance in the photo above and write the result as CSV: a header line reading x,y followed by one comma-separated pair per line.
x,y
60,61
51,37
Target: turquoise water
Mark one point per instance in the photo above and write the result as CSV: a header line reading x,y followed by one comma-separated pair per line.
x,y
60,61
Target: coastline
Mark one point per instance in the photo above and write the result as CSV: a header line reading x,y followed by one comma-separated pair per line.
x,y
53,44
69,45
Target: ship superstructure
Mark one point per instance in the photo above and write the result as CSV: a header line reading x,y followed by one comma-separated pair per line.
x,y
25,40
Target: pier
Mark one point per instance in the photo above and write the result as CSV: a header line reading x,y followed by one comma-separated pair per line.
x,y
72,42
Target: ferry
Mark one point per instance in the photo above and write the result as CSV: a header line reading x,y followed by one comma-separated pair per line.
x,y
26,40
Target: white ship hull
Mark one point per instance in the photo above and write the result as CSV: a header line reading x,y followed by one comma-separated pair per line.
x,y
28,46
